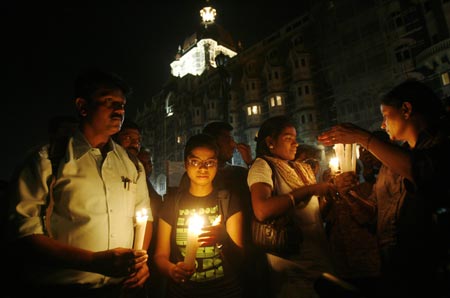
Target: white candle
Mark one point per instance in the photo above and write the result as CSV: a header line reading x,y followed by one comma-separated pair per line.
x,y
141,224
334,165
348,157
339,150
195,225
354,157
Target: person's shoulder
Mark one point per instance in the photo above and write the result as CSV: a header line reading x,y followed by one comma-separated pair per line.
x,y
118,148
260,163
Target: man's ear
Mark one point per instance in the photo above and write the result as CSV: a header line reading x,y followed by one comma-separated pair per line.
x,y
80,104
406,109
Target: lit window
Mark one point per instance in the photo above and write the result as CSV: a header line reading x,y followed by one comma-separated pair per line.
x,y
445,79
253,110
276,101
279,101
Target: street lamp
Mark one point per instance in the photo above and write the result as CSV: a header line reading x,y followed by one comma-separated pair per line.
x,y
225,82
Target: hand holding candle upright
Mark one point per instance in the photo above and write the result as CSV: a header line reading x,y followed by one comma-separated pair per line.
x,y
195,225
141,224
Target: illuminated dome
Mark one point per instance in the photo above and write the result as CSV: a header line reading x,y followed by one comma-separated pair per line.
x,y
200,49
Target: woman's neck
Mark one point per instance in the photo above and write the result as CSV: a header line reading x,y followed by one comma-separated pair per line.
x,y
200,190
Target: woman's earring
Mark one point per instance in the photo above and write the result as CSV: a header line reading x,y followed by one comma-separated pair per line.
x,y
271,147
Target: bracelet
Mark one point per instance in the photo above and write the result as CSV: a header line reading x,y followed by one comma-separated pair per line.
x,y
369,139
292,198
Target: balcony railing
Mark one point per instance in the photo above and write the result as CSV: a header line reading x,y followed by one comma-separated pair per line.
x,y
430,51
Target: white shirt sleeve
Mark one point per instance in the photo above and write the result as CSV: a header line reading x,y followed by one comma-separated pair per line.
x,y
260,172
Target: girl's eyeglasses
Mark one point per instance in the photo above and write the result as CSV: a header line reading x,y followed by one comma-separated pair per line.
x,y
202,163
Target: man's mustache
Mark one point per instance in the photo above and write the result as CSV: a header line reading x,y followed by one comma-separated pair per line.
x,y
117,115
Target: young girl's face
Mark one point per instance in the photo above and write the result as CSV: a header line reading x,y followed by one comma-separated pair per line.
x,y
201,166
285,146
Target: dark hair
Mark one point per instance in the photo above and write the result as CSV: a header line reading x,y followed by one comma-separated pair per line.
x,y
307,152
272,127
200,140
214,129
126,124
130,124
91,80
422,98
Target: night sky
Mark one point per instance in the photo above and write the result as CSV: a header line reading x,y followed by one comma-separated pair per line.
x,y
46,45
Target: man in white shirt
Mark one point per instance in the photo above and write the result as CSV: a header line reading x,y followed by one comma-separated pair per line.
x,y
84,248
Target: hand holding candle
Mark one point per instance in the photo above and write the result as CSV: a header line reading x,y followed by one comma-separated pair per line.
x,y
141,224
195,225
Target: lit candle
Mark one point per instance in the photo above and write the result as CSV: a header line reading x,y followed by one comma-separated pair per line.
x,y
217,220
346,155
141,224
334,165
355,156
339,150
195,225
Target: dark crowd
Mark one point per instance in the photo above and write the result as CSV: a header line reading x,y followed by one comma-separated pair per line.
x,y
81,217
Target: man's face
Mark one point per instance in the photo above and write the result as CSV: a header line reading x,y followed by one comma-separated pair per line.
x,y
226,145
130,139
106,111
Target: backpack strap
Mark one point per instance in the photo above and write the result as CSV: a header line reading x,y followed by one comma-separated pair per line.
x,y
223,196
56,151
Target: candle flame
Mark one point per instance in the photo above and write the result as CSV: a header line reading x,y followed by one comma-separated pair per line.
x,y
141,215
334,163
217,220
195,223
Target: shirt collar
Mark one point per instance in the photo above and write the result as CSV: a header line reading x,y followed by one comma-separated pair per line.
x,y
81,144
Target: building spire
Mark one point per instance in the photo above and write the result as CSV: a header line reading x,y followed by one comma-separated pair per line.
x,y
208,14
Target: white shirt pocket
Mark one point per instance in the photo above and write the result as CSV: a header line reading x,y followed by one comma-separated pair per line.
x,y
130,198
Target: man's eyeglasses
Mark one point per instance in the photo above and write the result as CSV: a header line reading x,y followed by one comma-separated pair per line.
x,y
202,163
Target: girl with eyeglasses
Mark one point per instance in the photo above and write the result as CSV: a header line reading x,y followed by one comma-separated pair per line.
x,y
214,272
